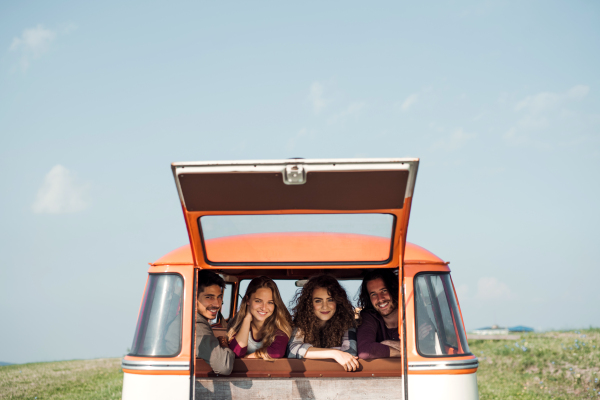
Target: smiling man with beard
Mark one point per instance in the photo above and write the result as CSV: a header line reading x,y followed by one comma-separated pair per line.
x,y
377,336
209,302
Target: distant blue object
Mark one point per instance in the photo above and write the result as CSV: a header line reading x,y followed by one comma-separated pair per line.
x,y
520,328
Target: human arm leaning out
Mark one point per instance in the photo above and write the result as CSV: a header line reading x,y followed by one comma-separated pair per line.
x,y
239,343
366,338
237,349
346,358
296,346
275,350
279,345
208,348
394,346
349,342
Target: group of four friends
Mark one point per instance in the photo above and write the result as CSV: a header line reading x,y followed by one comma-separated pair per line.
x,y
322,324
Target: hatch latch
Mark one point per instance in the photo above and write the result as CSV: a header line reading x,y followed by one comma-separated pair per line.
x,y
294,175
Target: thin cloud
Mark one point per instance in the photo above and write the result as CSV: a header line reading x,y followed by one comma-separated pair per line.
x,y
462,291
32,44
61,193
316,97
409,102
457,139
542,111
299,137
490,288
352,110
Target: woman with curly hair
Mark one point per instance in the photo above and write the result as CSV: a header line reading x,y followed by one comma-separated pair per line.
x,y
262,326
324,324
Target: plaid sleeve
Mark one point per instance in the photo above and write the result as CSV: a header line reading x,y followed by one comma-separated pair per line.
x,y
349,342
296,346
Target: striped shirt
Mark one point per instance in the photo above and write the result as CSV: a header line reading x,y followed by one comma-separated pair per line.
x,y
297,348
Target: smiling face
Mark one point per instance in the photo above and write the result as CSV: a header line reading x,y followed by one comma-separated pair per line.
x,y
261,304
210,301
324,305
380,297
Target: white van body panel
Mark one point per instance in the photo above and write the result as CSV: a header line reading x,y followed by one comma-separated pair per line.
x,y
446,387
156,387
420,387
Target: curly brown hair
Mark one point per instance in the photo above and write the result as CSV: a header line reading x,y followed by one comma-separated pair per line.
x,y
304,317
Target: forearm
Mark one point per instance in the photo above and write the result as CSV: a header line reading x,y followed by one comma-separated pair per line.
x,y
237,349
373,350
221,360
278,347
242,335
320,354
394,352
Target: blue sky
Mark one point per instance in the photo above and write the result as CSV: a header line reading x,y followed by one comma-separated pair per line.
x,y
499,99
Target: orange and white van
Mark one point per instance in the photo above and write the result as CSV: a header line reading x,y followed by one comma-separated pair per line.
x,y
289,220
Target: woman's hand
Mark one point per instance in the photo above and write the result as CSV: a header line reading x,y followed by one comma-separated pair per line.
x,y
248,317
348,361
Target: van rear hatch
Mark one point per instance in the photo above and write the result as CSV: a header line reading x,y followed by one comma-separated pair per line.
x,y
315,213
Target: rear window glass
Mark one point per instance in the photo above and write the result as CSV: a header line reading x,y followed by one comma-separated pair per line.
x,y
439,326
298,238
158,331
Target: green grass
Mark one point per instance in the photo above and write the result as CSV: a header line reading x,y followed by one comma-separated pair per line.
x,y
554,365
80,379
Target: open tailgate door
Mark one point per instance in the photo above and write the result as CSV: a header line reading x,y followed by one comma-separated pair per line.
x,y
283,207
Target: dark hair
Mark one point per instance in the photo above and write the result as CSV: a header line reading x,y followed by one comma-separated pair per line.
x,y
390,280
208,278
304,317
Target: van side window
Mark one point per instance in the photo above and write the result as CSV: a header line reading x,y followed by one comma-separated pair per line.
x,y
226,308
439,328
158,331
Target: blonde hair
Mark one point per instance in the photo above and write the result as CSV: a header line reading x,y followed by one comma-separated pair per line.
x,y
279,320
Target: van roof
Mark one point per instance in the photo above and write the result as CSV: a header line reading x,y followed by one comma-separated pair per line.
x,y
183,256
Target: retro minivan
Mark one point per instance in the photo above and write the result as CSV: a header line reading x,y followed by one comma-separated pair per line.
x,y
289,220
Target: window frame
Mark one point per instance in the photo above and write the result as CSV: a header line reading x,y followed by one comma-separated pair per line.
x,y
179,350
296,263
416,336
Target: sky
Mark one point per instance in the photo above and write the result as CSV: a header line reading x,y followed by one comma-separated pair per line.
x,y
499,99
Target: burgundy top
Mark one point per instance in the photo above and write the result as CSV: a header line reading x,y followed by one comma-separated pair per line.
x,y
275,350
371,333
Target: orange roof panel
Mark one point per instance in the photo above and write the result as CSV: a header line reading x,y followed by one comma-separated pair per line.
x,y
331,246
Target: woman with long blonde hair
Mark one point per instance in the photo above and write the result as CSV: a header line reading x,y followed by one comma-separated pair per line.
x,y
262,326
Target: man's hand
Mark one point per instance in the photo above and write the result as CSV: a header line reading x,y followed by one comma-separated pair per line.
x,y
394,344
223,341
424,330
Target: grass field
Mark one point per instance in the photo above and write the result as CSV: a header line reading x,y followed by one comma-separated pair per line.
x,y
551,365
69,380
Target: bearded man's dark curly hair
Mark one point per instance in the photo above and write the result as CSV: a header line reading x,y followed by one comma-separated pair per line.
x,y
390,280
304,316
